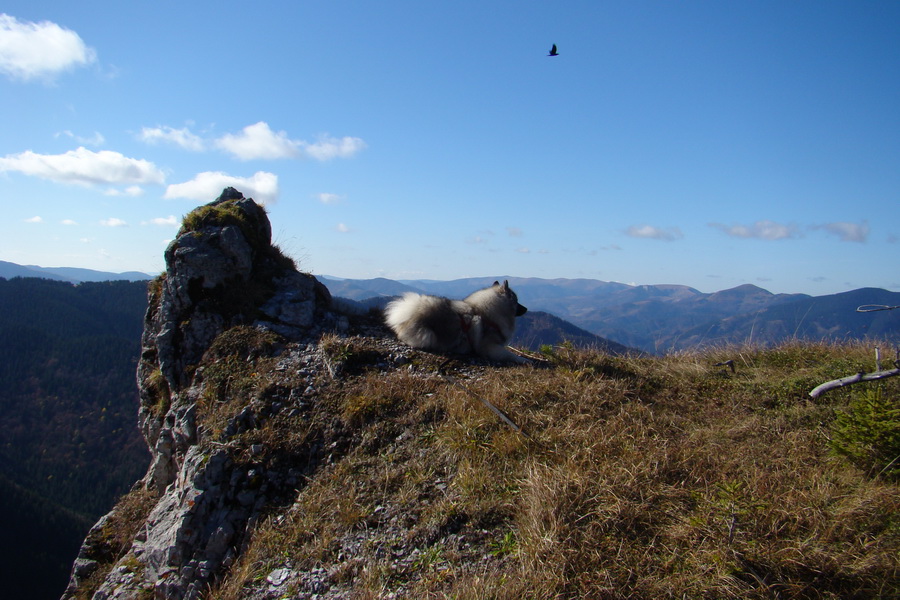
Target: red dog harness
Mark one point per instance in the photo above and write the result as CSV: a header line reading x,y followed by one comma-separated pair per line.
x,y
466,326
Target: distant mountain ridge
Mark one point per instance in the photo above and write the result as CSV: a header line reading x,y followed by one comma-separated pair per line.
x,y
651,318
665,318
9,270
831,317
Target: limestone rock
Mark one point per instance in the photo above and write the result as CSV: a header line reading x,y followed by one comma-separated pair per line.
x,y
222,271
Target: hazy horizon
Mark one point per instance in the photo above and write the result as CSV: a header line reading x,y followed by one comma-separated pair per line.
x,y
494,276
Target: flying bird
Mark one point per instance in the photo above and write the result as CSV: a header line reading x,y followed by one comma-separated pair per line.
x,y
553,51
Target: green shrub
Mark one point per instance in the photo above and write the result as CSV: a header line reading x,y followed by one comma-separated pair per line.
x,y
868,433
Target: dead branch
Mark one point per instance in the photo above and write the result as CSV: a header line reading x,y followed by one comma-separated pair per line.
x,y
844,381
875,308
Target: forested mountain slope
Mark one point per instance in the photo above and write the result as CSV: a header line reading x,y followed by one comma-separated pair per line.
x,y
69,443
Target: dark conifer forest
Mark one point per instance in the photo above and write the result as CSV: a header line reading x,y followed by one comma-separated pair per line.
x,y
69,443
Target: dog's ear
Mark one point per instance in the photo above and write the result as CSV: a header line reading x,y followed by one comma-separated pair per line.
x,y
506,285
496,283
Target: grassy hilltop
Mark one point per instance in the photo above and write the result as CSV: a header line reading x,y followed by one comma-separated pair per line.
x,y
632,477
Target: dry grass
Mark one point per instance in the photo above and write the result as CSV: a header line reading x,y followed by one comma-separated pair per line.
x,y
109,541
635,478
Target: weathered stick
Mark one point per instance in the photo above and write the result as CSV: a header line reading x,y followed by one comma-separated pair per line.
x,y
838,383
486,402
874,308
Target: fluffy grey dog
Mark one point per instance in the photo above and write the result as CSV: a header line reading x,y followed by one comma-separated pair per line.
x,y
481,324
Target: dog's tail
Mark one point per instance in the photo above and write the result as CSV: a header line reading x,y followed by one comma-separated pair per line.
x,y
405,315
401,310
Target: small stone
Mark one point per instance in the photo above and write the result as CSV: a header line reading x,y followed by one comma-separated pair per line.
x,y
278,576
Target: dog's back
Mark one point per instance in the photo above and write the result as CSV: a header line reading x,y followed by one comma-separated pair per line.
x,y
430,322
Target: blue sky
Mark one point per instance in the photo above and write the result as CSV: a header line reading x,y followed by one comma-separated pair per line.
x,y
709,144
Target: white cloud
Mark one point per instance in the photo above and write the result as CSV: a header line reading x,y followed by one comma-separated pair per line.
x,y
654,233
326,198
39,50
206,187
68,222
180,137
113,222
847,232
132,190
514,232
523,250
95,140
34,220
762,230
258,141
83,166
169,221
342,228
328,147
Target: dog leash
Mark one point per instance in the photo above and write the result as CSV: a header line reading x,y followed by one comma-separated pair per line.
x,y
490,405
487,403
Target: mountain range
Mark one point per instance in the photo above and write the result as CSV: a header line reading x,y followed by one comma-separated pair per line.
x,y
9,270
616,316
666,318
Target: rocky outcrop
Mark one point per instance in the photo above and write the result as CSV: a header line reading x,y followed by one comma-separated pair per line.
x,y
222,274
221,271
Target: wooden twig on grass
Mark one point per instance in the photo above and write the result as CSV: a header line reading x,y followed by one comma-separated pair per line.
x,y
837,383
878,374
486,402
859,377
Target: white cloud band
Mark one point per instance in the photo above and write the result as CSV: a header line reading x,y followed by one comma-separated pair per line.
x,y
39,50
848,232
669,234
762,230
258,141
327,148
179,137
83,166
206,186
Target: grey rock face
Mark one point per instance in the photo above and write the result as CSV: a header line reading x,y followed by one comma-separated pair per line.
x,y
221,271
